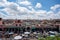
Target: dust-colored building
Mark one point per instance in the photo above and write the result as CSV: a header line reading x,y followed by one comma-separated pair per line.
x,y
16,24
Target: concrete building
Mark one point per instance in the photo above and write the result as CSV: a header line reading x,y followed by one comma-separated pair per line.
x,y
10,23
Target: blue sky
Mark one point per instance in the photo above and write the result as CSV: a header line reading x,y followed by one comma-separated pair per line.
x,y
46,4
35,9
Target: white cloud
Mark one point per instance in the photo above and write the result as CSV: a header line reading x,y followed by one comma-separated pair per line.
x,y
38,5
55,7
40,12
27,3
15,10
2,2
2,15
53,15
22,9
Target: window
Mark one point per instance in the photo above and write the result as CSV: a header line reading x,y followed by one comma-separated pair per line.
x,y
16,24
0,19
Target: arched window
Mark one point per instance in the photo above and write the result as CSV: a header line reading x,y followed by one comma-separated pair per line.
x,y
16,24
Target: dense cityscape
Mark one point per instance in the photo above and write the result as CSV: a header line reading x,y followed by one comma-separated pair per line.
x,y
18,27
